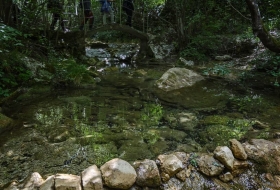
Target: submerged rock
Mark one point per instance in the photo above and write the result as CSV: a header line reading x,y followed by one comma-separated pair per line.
x,y
176,78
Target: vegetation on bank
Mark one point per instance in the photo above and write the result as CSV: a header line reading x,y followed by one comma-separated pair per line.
x,y
198,29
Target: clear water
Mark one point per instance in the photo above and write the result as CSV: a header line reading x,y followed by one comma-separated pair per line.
x,y
124,115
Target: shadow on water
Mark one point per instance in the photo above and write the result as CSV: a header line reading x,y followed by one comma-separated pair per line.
x,y
126,116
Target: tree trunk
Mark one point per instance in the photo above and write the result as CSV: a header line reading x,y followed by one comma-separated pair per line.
x,y
259,30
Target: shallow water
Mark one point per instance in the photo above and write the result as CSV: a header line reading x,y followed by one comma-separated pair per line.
x,y
125,116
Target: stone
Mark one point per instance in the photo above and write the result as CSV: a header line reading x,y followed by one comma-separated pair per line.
x,y
48,184
237,149
226,177
170,165
225,156
184,157
147,173
33,181
118,173
239,167
265,152
210,166
176,78
67,181
277,181
92,179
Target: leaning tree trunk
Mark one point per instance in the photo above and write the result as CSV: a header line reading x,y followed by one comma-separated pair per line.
x,y
259,30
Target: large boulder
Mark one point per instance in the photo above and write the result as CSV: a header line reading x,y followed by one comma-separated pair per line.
x,y
147,173
176,78
265,153
118,174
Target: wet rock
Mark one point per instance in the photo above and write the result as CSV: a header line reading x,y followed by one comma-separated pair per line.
x,y
223,58
225,156
118,173
226,177
147,173
134,150
210,166
91,178
169,166
48,184
67,181
266,153
33,181
176,78
237,149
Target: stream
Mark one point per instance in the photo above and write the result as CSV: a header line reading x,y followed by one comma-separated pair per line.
x,y
124,115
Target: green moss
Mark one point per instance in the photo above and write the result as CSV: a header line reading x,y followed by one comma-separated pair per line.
x,y
215,120
219,134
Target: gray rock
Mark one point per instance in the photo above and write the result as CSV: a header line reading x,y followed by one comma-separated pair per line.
x,y
147,173
210,166
118,173
225,156
91,178
176,78
169,166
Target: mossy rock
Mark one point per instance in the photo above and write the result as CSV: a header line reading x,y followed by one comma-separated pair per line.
x,y
5,123
219,135
159,147
215,120
132,150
